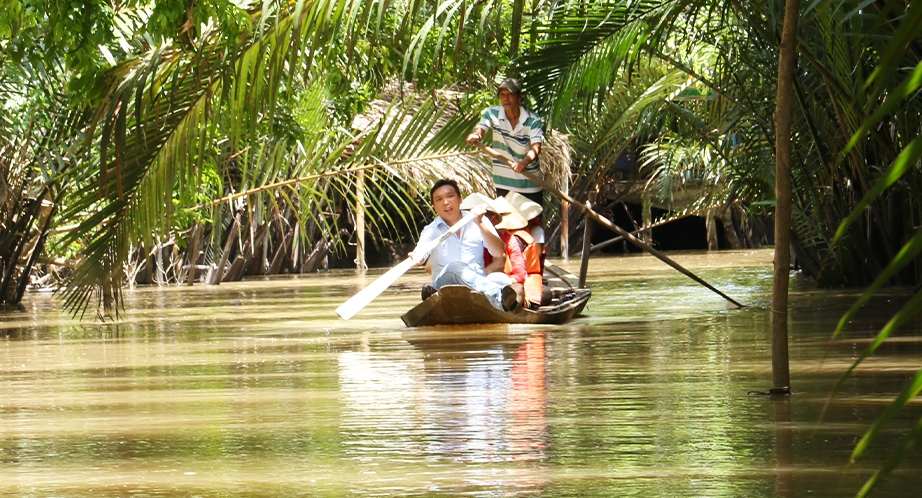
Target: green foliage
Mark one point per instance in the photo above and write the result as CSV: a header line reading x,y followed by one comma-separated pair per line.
x,y
186,22
138,115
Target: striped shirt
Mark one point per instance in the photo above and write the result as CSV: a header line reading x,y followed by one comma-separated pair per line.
x,y
514,144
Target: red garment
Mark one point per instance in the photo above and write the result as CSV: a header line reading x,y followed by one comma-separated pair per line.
x,y
534,266
515,261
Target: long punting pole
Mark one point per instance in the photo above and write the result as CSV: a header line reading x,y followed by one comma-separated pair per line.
x,y
611,226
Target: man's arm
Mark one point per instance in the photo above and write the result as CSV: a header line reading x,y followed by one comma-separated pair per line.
x,y
428,235
530,157
496,265
476,135
480,129
491,240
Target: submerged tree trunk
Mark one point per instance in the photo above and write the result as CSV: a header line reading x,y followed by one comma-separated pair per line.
x,y
787,62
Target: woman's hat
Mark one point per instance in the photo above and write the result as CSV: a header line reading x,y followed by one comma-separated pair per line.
x,y
525,206
512,220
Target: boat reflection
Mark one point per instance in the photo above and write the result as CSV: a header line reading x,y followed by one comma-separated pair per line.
x,y
454,400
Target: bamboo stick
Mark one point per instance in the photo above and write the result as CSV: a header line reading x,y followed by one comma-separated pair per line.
x,y
611,226
303,179
218,275
587,244
360,222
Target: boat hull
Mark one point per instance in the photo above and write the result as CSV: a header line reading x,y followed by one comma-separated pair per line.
x,y
459,305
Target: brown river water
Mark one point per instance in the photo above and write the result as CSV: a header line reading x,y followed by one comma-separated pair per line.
x,y
256,388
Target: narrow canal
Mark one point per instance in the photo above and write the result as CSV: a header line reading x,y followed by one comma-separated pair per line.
x,y
258,389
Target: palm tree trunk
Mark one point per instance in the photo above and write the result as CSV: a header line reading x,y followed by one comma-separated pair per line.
x,y
787,62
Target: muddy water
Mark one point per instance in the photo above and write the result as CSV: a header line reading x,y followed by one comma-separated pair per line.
x,y
258,389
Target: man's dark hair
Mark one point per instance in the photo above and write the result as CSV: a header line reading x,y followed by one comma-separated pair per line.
x,y
441,183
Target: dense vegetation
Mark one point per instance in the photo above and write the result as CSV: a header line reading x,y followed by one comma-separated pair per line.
x,y
157,136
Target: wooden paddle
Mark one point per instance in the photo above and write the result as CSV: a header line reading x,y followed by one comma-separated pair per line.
x,y
605,221
355,304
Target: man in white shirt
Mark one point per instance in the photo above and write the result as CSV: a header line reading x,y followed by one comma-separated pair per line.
x,y
459,259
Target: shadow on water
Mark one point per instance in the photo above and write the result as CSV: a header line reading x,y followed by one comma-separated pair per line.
x,y
258,389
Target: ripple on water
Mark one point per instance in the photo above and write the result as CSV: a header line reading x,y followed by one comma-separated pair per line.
x,y
258,389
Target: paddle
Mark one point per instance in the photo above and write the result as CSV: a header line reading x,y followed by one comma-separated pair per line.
x,y
355,304
605,221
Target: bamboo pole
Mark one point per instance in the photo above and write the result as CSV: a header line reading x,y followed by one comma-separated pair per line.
x,y
193,253
787,64
360,222
611,226
587,243
307,178
565,228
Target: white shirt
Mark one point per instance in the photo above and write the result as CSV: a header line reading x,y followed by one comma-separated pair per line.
x,y
467,245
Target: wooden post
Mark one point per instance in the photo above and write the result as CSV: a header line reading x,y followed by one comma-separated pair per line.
x,y
587,242
710,225
787,64
565,225
646,219
360,222
193,253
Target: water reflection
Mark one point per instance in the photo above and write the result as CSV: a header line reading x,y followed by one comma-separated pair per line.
x,y
257,389
480,399
784,446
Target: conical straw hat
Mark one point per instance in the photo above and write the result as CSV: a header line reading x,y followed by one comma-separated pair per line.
x,y
477,199
526,207
512,220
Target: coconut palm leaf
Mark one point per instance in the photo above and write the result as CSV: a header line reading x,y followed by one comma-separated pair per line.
x,y
896,74
160,121
156,126
908,443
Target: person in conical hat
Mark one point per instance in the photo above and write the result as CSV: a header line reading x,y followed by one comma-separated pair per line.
x,y
531,211
533,249
526,207
504,218
477,199
512,219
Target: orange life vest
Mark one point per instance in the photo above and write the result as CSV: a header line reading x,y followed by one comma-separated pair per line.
x,y
534,279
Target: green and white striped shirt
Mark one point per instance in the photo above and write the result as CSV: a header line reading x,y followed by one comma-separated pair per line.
x,y
514,144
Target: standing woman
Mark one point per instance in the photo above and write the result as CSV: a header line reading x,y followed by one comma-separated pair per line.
x,y
517,134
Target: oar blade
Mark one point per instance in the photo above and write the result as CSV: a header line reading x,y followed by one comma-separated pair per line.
x,y
355,304
348,309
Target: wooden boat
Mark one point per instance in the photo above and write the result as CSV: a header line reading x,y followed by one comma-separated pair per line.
x,y
457,305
